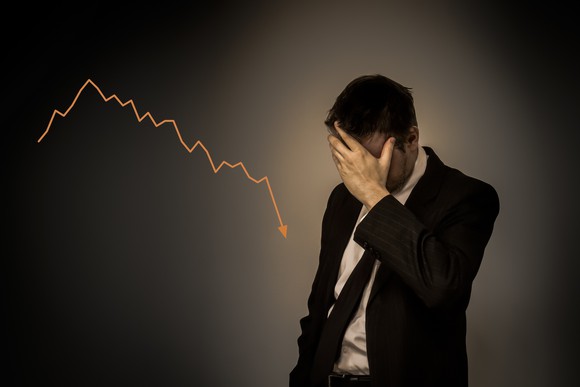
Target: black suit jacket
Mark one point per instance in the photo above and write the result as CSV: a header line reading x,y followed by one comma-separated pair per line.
x,y
430,250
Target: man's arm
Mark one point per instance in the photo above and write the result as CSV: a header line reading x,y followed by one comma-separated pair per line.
x,y
439,264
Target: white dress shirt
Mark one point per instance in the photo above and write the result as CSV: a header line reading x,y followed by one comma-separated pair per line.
x,y
353,357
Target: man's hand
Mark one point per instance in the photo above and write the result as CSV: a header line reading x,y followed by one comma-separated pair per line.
x,y
364,175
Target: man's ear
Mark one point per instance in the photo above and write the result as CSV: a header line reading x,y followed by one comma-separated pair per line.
x,y
412,140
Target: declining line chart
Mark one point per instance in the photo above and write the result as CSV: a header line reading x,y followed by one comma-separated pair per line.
x,y
283,228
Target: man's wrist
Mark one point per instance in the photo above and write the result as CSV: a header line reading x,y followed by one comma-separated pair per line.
x,y
374,196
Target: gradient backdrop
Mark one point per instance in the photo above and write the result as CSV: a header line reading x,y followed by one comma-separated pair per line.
x,y
127,261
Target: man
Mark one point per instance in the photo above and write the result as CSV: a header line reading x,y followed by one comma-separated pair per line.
x,y
421,229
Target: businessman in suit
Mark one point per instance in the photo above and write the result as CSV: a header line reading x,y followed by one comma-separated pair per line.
x,y
403,237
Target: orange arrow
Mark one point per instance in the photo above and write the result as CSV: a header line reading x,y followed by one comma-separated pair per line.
x,y
283,227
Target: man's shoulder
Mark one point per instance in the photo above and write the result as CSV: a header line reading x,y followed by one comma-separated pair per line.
x,y
340,197
339,193
468,181
463,186
339,190
457,176
456,182
453,174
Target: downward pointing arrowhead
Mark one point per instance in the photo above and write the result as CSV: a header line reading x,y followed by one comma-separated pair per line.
x,y
283,229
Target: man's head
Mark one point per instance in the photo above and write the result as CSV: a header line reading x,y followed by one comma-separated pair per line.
x,y
374,103
373,108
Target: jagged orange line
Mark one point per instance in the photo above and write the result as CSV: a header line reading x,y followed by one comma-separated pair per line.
x,y
283,228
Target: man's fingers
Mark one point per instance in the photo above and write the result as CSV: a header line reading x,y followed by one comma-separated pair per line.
x,y
337,145
350,141
336,155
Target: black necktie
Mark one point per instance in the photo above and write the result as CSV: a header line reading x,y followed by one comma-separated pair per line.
x,y
335,326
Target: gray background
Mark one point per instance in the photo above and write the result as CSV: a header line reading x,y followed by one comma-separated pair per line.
x,y
127,261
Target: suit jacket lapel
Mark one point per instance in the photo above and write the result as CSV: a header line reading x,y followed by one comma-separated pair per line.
x,y
346,212
427,187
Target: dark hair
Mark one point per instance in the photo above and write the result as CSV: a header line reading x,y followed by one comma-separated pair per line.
x,y
373,103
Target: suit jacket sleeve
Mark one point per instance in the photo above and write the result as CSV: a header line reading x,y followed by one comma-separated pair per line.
x,y
438,261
